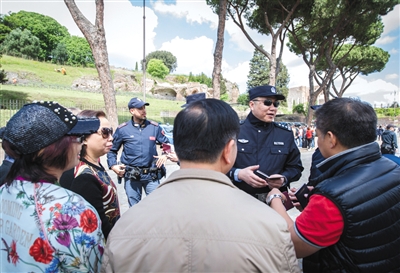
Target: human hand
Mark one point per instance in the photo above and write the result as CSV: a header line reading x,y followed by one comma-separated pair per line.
x,y
275,181
248,176
172,156
119,170
161,159
293,197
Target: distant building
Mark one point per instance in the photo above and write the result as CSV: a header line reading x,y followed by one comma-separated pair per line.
x,y
300,94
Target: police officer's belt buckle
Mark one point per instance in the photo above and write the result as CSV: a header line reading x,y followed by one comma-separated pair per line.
x,y
262,197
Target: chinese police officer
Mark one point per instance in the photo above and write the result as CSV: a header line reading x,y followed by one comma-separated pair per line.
x,y
266,146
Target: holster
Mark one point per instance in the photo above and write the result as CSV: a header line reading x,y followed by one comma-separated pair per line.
x,y
132,173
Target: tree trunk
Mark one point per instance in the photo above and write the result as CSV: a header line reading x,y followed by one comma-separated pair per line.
x,y
96,37
219,47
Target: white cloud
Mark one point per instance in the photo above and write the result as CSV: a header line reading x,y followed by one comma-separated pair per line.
x,y
237,74
362,86
124,33
391,20
238,40
385,40
393,51
194,12
391,77
194,55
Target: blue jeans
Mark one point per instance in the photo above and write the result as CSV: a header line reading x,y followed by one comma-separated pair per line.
x,y
300,142
133,189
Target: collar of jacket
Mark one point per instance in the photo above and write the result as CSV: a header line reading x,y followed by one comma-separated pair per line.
x,y
347,159
256,122
198,174
144,124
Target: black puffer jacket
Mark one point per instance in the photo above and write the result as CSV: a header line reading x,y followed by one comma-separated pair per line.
x,y
366,189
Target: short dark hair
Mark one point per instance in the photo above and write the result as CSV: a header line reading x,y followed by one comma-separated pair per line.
x,y
351,120
202,130
89,114
34,166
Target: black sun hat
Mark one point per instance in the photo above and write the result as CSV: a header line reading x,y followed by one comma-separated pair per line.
x,y
39,124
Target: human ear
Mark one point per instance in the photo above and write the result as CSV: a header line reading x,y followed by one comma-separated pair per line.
x,y
229,152
332,139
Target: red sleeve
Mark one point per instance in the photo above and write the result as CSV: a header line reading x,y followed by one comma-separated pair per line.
x,y
320,223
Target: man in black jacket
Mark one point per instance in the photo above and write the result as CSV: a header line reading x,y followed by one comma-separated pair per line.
x,y
389,139
352,217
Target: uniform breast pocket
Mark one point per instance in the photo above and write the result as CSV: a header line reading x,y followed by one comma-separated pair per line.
x,y
279,151
246,148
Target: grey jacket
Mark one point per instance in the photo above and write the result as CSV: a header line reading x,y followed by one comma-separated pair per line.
x,y
198,221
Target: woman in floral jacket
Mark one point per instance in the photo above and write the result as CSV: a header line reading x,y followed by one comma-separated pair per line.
x,y
44,227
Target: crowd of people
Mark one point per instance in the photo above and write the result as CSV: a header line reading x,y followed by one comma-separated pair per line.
x,y
224,210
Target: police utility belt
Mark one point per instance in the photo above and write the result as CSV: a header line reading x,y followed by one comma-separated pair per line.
x,y
132,172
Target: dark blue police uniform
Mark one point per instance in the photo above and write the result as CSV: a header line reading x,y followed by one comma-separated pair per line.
x,y
270,145
138,153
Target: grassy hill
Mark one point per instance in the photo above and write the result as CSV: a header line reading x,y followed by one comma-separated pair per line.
x,y
40,81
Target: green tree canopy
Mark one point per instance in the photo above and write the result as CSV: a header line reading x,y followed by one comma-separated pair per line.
x,y
157,68
243,99
59,54
329,29
4,30
21,44
201,78
3,75
259,70
78,51
166,57
47,29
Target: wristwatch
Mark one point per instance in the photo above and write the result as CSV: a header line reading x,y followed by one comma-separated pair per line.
x,y
272,196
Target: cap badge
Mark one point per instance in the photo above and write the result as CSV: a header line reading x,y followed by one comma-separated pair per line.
x,y
273,90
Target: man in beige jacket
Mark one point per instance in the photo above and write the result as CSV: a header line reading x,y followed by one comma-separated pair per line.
x,y
197,220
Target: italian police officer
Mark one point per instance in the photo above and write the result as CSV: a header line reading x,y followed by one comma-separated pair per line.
x,y
141,166
266,146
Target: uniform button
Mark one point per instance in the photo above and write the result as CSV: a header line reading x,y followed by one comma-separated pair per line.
x,y
279,150
259,131
242,149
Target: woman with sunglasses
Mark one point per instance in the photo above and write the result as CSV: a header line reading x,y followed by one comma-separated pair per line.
x,y
91,179
44,227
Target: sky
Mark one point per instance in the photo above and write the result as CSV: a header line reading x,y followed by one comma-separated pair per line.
x,y
188,29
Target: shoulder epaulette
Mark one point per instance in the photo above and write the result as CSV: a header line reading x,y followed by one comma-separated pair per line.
x,y
122,124
153,122
283,126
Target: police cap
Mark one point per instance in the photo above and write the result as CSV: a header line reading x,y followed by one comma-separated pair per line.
x,y
265,91
194,97
136,103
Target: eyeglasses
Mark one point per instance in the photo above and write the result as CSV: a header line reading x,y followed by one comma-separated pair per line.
x,y
269,102
77,139
106,132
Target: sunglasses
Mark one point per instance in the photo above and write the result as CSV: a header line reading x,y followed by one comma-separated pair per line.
x,y
269,102
106,132
77,139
